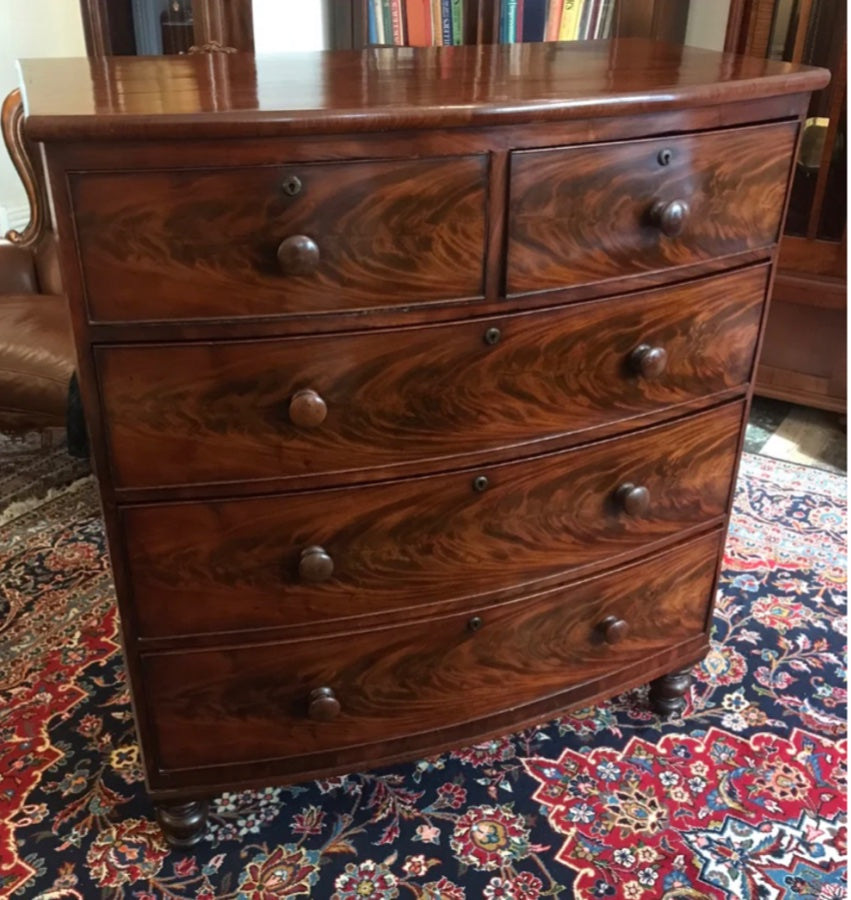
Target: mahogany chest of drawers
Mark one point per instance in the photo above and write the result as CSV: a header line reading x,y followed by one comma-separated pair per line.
x,y
416,381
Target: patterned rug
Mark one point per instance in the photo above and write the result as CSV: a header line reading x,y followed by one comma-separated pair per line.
x,y
744,797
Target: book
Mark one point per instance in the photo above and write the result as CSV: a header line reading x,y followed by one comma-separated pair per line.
x,y
398,30
388,22
378,13
446,22
518,22
371,26
508,22
534,20
554,20
457,21
418,20
604,27
585,19
436,23
570,12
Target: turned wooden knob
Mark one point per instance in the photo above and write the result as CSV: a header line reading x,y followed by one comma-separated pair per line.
x,y
315,564
307,409
648,361
298,255
613,629
322,705
669,218
633,498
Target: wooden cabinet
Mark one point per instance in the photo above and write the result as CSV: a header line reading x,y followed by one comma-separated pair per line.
x,y
803,358
400,384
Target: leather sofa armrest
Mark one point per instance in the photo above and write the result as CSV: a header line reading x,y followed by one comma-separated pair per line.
x,y
47,265
17,270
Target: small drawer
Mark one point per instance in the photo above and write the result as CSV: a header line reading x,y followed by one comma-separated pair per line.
x,y
579,215
278,410
280,240
304,701
316,556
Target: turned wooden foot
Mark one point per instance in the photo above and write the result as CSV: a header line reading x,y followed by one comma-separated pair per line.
x,y
183,824
667,694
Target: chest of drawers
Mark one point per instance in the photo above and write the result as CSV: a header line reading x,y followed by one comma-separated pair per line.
x,y
416,381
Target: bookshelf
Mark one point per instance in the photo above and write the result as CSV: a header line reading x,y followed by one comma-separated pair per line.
x,y
803,359
352,22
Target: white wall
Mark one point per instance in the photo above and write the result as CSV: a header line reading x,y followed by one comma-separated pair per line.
x,y
281,25
31,28
707,23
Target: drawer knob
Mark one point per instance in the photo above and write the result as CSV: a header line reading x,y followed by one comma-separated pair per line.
x,y
613,629
315,564
298,255
648,361
307,409
322,705
669,218
633,498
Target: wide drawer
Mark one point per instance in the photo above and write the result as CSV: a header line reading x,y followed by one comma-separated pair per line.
x,y
203,413
299,701
579,215
280,240
316,556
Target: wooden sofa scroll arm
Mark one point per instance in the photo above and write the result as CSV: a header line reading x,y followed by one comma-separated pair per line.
x,y
28,165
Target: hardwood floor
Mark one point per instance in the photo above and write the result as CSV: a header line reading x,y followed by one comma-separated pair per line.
x,y
799,434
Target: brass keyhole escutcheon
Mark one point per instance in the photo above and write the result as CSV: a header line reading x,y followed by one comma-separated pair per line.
x,y
480,483
492,336
291,185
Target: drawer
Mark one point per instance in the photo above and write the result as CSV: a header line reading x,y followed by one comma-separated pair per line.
x,y
306,699
579,215
316,556
280,409
280,240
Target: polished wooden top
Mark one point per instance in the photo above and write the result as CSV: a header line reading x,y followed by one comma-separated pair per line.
x,y
387,88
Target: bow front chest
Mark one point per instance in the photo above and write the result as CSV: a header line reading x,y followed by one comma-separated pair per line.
x,y
416,381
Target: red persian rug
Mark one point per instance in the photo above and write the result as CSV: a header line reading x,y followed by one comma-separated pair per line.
x,y
742,798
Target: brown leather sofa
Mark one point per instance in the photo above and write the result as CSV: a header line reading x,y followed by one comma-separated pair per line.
x,y
36,350
36,347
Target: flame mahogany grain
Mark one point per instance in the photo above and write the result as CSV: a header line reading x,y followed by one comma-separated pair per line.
x,y
435,539
231,705
584,214
199,243
219,412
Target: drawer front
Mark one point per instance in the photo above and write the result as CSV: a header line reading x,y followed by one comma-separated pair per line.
x,y
581,215
313,557
219,706
186,244
228,411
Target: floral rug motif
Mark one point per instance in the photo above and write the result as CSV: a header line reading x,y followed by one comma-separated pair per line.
x,y
742,797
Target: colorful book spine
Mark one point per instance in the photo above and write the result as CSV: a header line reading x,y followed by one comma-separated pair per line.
x,y
535,20
585,19
378,12
604,28
554,20
508,33
371,27
570,20
457,21
388,22
418,20
436,23
446,22
396,23
518,22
